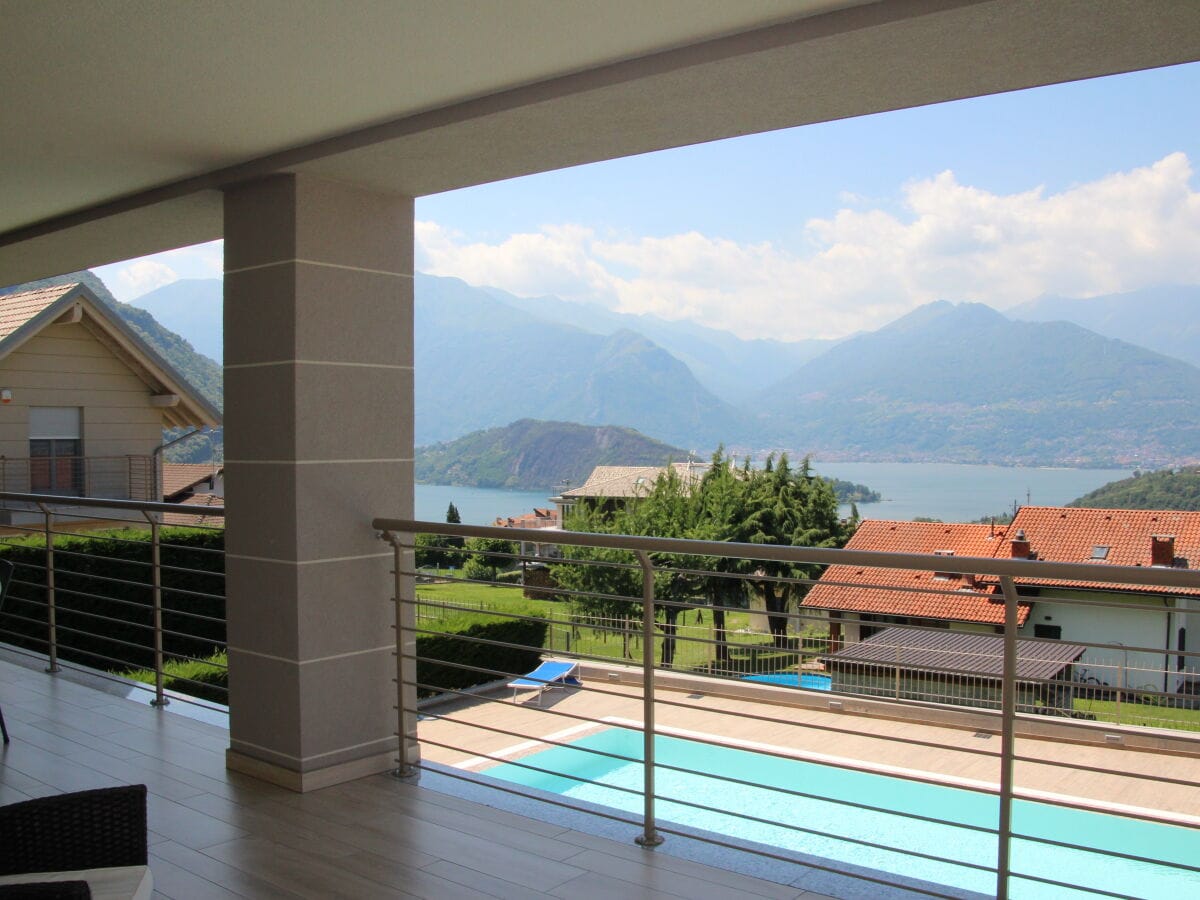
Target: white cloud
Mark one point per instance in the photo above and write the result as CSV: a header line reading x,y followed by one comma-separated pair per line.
x,y
864,266
131,279
142,276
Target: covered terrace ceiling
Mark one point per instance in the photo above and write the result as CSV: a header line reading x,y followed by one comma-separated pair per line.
x,y
123,120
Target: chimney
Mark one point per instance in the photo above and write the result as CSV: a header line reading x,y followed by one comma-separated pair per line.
x,y
1020,545
1162,549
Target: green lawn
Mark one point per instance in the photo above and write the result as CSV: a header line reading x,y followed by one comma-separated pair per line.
x,y
748,652
1132,713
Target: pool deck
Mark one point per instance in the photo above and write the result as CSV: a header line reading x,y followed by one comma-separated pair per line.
x,y
493,725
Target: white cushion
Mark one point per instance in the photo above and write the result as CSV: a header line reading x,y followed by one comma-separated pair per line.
x,y
113,883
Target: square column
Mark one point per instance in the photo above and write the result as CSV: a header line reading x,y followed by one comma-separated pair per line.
x,y
318,441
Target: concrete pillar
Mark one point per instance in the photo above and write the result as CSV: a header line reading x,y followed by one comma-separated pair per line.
x,y
318,440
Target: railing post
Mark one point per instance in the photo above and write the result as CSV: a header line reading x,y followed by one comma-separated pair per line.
x,y
1008,718
51,606
160,697
1120,691
649,836
406,666
897,671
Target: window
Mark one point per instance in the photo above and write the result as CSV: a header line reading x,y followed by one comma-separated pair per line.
x,y
1054,632
1099,552
55,450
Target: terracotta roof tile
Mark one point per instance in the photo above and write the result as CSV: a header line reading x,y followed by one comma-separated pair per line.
x,y
539,518
196,514
1062,534
17,309
179,477
924,595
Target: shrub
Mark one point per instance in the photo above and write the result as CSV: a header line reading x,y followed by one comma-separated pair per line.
x,y
488,557
207,679
439,654
478,571
107,623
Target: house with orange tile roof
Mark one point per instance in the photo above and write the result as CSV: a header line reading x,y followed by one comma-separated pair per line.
x,y
83,399
1135,620
1125,636
861,601
183,480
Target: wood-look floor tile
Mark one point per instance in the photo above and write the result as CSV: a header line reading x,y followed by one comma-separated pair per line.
x,y
486,884
244,884
187,826
176,883
296,872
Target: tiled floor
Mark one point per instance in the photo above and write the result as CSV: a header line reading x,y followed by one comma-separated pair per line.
x,y
216,834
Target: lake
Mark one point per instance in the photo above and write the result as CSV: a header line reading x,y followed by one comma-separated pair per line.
x,y
938,490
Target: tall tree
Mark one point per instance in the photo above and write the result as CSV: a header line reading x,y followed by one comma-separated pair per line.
x,y
604,583
789,508
453,543
721,515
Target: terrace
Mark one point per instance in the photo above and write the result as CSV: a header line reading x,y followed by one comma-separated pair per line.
x,y
473,763
300,134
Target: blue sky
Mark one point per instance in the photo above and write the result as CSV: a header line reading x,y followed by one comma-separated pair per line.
x,y
1078,189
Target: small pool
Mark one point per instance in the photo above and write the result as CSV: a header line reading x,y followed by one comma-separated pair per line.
x,y
956,842
810,680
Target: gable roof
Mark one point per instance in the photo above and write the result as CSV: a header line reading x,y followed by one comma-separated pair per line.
x,y
1067,534
1054,534
180,477
921,595
24,314
632,481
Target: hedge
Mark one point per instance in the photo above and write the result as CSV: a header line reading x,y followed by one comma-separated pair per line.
x,y
434,675
83,567
127,642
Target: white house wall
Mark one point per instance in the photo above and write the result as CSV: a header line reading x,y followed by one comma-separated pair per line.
x,y
1139,625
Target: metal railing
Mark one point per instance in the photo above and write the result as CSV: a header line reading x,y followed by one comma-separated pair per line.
x,y
113,477
991,696
102,584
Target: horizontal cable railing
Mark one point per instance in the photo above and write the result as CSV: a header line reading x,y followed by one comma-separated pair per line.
x,y
108,584
694,652
129,477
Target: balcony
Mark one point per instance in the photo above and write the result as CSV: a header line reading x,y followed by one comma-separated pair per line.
x,y
109,477
482,809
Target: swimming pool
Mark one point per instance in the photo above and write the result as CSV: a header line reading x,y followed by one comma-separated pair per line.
x,y
811,680
963,810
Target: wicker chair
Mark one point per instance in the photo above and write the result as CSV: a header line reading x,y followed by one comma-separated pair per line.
x,y
6,574
75,833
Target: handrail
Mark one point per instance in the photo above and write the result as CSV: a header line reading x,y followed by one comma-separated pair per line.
x,y
1013,710
103,503
1155,576
148,515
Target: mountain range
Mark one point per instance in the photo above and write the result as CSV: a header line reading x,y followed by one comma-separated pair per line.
x,y
1163,319
967,384
947,382
529,455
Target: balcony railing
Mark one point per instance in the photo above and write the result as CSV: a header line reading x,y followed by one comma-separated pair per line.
x,y
649,649
109,477
666,664
136,600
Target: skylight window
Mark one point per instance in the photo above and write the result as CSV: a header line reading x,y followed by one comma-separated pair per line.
x,y
1100,552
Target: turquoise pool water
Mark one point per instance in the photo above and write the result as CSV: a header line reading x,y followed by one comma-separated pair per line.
x,y
836,821
810,680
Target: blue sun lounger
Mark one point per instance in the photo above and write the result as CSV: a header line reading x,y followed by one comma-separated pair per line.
x,y
552,673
